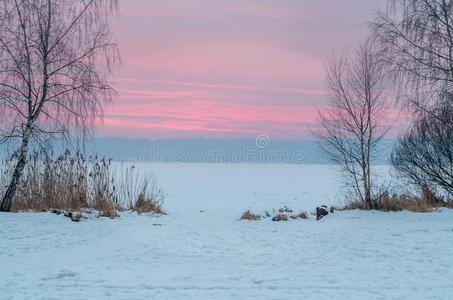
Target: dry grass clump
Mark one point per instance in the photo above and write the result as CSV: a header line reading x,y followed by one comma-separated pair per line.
x,y
74,182
282,214
249,216
426,202
147,204
141,193
106,208
280,217
65,183
401,202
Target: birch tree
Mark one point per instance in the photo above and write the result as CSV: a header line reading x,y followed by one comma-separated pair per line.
x,y
353,121
55,62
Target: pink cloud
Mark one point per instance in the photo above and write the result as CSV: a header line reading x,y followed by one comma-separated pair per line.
x,y
223,86
225,68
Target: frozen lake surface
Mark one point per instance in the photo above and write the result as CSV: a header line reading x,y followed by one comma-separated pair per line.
x,y
201,250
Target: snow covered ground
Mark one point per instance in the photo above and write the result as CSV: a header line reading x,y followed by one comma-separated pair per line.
x,y
201,250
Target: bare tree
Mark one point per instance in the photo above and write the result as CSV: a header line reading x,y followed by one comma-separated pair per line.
x,y
424,155
417,38
55,59
353,122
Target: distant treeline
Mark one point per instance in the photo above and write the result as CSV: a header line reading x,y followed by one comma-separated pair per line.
x,y
205,150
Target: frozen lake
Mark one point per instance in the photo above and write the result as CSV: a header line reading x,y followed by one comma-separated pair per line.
x,y
201,250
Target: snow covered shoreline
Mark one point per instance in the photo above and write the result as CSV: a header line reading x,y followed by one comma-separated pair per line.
x,y
201,250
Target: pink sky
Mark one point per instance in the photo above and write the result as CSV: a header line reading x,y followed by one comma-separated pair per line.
x,y
227,68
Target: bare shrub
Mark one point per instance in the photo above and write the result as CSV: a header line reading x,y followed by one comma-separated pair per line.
x,y
249,216
424,154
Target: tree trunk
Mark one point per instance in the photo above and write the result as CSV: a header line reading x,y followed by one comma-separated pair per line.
x,y
367,185
368,199
18,170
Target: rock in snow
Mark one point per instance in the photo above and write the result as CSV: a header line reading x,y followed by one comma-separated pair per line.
x,y
321,212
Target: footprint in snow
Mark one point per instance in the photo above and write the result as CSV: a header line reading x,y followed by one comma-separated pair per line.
x,y
62,274
258,281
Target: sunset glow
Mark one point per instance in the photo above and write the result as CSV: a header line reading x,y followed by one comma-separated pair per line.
x,y
226,68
